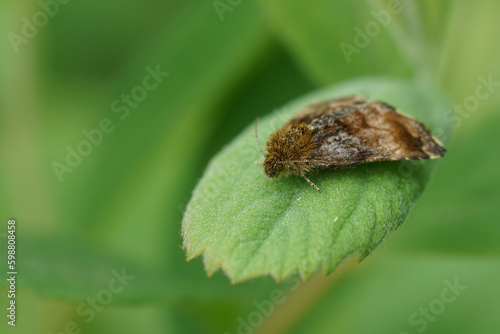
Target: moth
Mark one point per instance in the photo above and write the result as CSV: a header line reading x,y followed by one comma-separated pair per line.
x,y
344,133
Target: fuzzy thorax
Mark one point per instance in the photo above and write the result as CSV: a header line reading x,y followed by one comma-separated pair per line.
x,y
294,142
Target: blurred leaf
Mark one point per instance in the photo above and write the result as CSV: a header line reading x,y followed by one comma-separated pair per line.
x,y
77,271
316,32
451,210
402,294
129,319
459,67
251,226
93,39
143,164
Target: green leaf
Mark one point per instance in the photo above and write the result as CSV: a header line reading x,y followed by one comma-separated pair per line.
x,y
450,210
251,226
394,294
120,187
77,271
329,41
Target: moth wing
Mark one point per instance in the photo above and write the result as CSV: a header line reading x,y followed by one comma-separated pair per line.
x,y
328,108
371,132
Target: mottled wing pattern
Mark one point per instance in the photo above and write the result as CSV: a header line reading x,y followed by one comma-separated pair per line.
x,y
349,131
314,111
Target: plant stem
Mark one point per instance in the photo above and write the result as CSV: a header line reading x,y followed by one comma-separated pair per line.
x,y
299,303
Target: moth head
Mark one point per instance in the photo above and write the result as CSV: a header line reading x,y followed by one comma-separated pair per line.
x,y
288,149
273,168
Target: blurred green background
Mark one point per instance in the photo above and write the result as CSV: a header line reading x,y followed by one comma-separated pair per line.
x,y
68,66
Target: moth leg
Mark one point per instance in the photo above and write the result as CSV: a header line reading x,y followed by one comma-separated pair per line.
x,y
258,163
310,182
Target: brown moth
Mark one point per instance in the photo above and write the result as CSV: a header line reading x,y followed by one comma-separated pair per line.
x,y
346,132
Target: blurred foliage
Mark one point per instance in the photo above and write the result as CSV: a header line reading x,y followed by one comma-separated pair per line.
x,y
121,207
